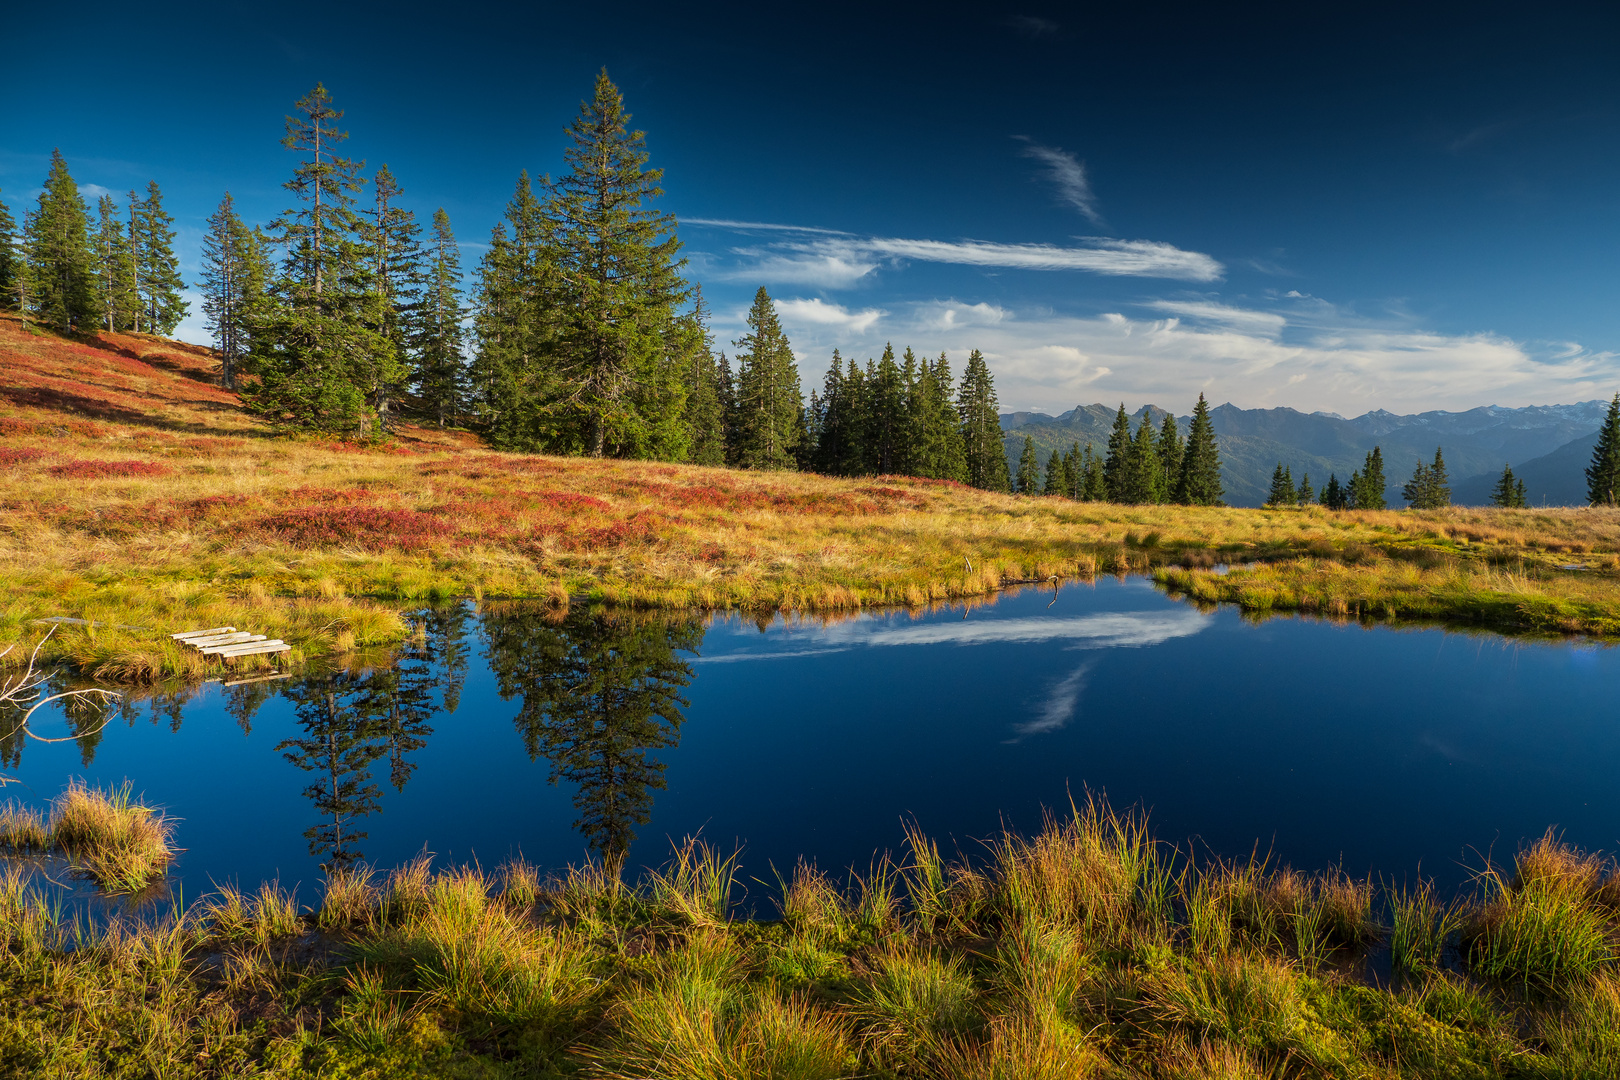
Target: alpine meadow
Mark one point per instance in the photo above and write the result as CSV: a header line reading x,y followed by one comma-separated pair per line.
x,y
700,629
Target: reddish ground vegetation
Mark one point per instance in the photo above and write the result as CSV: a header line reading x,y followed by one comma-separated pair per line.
x,y
363,526
101,470
18,456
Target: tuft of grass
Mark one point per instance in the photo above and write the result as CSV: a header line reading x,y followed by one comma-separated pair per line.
x,y
916,1003
349,898
120,844
1544,928
695,886
1420,928
22,829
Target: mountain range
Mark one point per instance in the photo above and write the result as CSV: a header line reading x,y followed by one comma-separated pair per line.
x,y
1548,446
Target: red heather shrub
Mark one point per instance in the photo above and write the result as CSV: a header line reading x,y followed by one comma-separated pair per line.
x,y
641,529
9,426
304,496
365,526
198,509
101,470
569,502
18,456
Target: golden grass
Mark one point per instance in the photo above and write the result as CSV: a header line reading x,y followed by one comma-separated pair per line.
x,y
119,843
1073,953
132,494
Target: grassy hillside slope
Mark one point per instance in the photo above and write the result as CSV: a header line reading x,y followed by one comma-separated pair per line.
x,y
136,494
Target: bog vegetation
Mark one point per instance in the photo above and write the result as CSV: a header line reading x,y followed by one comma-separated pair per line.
x,y
1088,950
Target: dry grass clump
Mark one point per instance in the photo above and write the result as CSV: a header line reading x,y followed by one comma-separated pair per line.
x,y
23,829
122,845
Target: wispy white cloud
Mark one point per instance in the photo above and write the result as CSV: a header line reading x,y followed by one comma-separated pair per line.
x,y
1098,631
817,312
831,266
1113,630
1068,174
951,315
93,191
1263,322
838,260
1120,258
1059,707
760,226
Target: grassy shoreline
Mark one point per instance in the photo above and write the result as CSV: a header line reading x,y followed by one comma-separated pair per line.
x,y
1088,950
135,493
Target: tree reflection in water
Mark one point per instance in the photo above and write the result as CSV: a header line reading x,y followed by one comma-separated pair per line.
x,y
601,695
351,720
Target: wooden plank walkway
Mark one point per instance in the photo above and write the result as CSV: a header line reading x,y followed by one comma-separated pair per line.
x,y
228,641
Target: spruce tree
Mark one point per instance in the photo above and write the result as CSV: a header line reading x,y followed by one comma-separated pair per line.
x,y
618,286
514,326
1509,491
1094,486
1303,493
1334,495
233,282
1603,475
319,346
705,409
1439,482
161,288
1116,466
1029,470
1367,486
979,414
11,264
1282,488
403,279
1074,476
58,281
886,420
1169,458
109,255
439,345
1200,482
1144,475
1054,484
939,454
768,394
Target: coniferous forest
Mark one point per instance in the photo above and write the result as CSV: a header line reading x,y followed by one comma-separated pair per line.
x,y
581,333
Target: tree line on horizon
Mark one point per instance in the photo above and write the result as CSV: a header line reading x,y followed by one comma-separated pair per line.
x,y
1142,468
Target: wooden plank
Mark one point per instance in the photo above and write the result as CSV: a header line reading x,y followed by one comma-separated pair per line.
x,y
188,634
250,649
246,639
222,639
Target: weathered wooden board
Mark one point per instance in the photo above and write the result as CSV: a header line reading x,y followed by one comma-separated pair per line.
x,y
251,648
223,639
187,635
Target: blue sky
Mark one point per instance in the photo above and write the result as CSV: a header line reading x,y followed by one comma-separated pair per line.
x,y
1328,207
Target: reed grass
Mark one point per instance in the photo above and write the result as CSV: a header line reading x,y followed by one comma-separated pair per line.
x,y
109,837
1087,950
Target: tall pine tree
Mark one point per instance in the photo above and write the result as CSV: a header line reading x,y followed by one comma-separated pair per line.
x,y
161,288
1200,482
1603,475
618,286
109,261
439,343
399,277
234,274
1509,491
1029,470
319,348
979,414
768,394
59,285
11,263
1117,463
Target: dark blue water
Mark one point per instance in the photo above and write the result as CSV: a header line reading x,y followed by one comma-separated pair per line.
x,y
504,731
